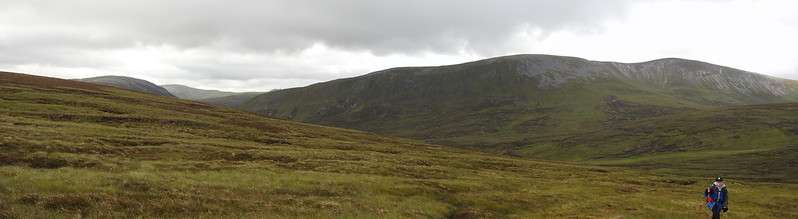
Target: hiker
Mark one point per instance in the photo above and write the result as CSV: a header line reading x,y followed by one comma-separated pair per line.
x,y
717,197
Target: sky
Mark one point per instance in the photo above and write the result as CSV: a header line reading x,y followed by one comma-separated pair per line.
x,y
260,45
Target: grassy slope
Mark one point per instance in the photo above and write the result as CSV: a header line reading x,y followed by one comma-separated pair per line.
x,y
758,141
69,149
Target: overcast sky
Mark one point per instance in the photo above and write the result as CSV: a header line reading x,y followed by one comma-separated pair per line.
x,y
259,45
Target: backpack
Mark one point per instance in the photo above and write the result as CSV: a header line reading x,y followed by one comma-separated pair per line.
x,y
711,194
714,196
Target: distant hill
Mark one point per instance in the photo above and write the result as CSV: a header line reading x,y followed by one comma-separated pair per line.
x,y
190,93
502,101
213,97
130,84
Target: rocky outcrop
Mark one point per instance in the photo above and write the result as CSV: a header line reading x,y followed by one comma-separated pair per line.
x,y
682,72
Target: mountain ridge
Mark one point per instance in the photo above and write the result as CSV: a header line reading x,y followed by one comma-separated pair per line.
x,y
129,83
632,70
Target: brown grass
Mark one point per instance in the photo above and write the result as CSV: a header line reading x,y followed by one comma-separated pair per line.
x,y
46,82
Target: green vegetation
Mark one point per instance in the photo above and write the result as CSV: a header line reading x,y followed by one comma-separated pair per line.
x,y
754,142
70,149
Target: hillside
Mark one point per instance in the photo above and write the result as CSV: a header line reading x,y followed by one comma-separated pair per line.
x,y
755,142
129,83
70,149
495,102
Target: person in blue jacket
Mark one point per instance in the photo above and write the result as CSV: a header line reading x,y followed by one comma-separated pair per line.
x,y
717,197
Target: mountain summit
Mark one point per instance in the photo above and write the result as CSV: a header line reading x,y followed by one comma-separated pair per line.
x,y
554,71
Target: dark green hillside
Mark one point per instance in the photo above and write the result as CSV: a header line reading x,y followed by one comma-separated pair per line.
x,y
70,149
501,101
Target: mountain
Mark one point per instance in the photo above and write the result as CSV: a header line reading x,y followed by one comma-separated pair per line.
x,y
190,93
130,84
502,101
72,149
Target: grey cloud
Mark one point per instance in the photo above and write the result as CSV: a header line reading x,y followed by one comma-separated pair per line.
x,y
55,48
82,33
379,26
244,71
